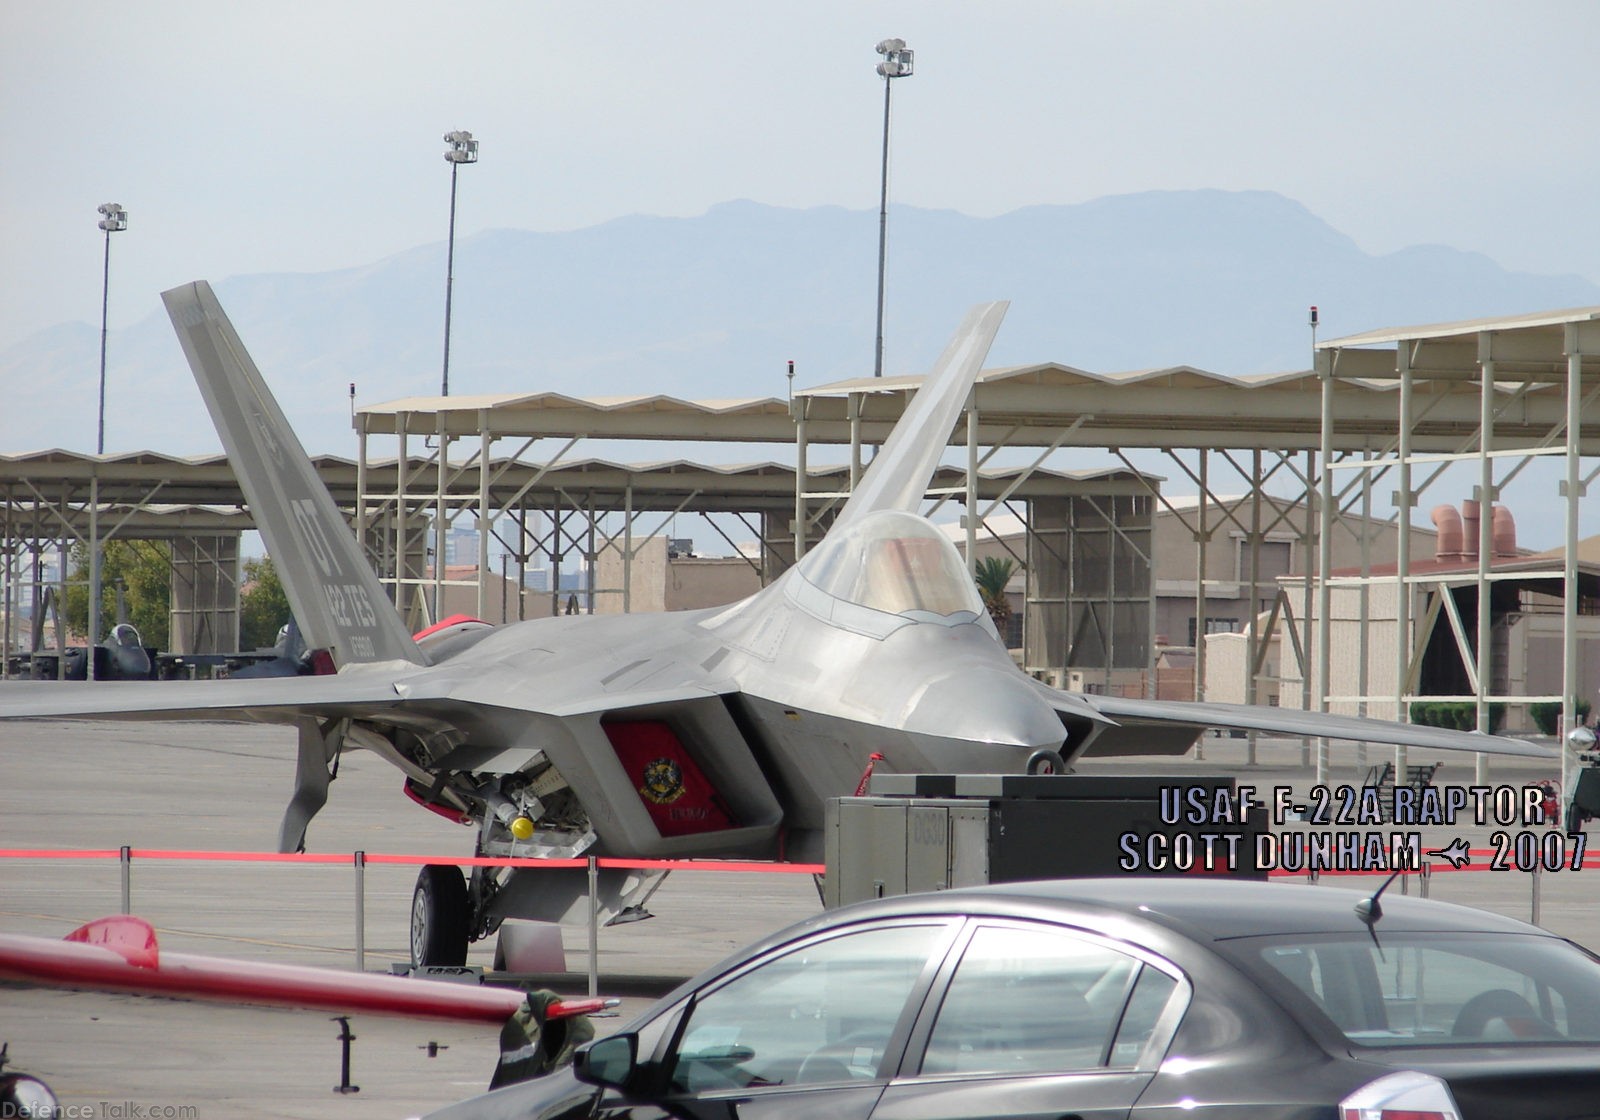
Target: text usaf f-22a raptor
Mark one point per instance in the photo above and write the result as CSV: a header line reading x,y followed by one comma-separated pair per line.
x,y
703,733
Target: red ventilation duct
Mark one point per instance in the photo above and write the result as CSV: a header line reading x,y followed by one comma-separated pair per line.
x,y
1447,521
1505,532
1470,515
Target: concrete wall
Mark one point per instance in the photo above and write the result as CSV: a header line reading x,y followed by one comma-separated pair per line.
x,y
1536,642
658,582
1344,641
501,606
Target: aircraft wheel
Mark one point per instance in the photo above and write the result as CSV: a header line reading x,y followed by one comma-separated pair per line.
x,y
1046,761
439,916
1576,818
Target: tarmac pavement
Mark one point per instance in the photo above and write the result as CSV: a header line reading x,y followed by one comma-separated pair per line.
x,y
222,787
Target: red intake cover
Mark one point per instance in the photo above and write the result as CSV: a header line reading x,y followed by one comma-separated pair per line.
x,y
681,799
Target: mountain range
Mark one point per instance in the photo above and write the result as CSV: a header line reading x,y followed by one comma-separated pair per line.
x,y
716,305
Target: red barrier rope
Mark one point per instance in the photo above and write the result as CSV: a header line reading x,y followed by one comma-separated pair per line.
x,y
1481,859
416,860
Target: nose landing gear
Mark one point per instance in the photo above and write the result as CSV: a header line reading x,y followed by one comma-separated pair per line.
x,y
439,916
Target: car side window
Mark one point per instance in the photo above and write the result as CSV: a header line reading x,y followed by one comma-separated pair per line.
x,y
1151,993
823,1012
1043,1001
1446,989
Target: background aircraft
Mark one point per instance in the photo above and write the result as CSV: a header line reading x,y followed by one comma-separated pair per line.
x,y
717,732
123,656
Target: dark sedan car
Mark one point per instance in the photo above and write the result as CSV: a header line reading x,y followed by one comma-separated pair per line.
x,y
1098,998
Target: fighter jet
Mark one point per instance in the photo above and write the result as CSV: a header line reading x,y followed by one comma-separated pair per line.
x,y
708,733
123,657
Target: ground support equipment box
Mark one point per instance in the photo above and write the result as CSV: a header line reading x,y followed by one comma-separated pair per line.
x,y
927,832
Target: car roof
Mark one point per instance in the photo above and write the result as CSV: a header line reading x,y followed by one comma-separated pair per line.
x,y
1208,907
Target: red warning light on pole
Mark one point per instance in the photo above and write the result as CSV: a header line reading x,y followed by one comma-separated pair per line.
x,y
1313,315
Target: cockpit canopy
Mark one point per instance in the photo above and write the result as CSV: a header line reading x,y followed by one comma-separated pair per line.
x,y
894,562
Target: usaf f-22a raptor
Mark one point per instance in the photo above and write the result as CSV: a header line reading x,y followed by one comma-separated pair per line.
x,y
708,733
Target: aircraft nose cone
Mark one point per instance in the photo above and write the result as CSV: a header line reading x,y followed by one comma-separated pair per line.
x,y
986,705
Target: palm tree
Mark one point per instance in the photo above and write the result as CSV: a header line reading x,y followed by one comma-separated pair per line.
x,y
991,574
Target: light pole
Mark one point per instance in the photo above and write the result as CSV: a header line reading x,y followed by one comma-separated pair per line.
x,y
113,219
463,149
897,61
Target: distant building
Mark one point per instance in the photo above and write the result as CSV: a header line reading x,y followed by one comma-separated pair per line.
x,y
1231,599
1527,616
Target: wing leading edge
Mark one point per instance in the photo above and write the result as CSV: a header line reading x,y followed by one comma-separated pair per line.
x,y
1170,720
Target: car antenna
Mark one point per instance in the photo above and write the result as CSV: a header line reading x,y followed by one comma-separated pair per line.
x,y
1369,910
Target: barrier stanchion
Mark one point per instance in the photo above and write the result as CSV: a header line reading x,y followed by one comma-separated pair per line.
x,y
361,911
1533,893
126,858
594,927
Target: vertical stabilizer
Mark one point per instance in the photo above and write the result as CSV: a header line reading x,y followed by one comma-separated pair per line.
x,y
336,597
899,475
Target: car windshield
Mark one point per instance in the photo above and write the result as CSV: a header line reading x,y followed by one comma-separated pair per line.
x,y
894,562
1440,989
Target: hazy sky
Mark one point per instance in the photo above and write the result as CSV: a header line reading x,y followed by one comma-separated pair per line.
x,y
249,136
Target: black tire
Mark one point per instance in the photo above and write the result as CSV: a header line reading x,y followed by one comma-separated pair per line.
x,y
439,916
1046,761
1576,818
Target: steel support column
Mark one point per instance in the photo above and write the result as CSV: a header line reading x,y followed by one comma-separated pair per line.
x,y
1325,509
1402,590
1572,489
1486,497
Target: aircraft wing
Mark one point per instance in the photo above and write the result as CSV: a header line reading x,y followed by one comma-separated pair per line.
x,y
490,720
1169,722
380,695
252,700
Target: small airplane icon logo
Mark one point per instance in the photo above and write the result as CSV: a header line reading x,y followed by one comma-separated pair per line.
x,y
1456,853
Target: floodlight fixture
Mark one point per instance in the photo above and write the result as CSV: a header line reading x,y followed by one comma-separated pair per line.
x,y
114,218
463,148
898,59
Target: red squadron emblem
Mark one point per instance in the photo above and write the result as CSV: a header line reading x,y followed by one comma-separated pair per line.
x,y
663,782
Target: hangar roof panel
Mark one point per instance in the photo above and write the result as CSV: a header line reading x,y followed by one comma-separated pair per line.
x,y
1534,320
200,491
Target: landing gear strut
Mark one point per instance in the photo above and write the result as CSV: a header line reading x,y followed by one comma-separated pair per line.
x,y
439,913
